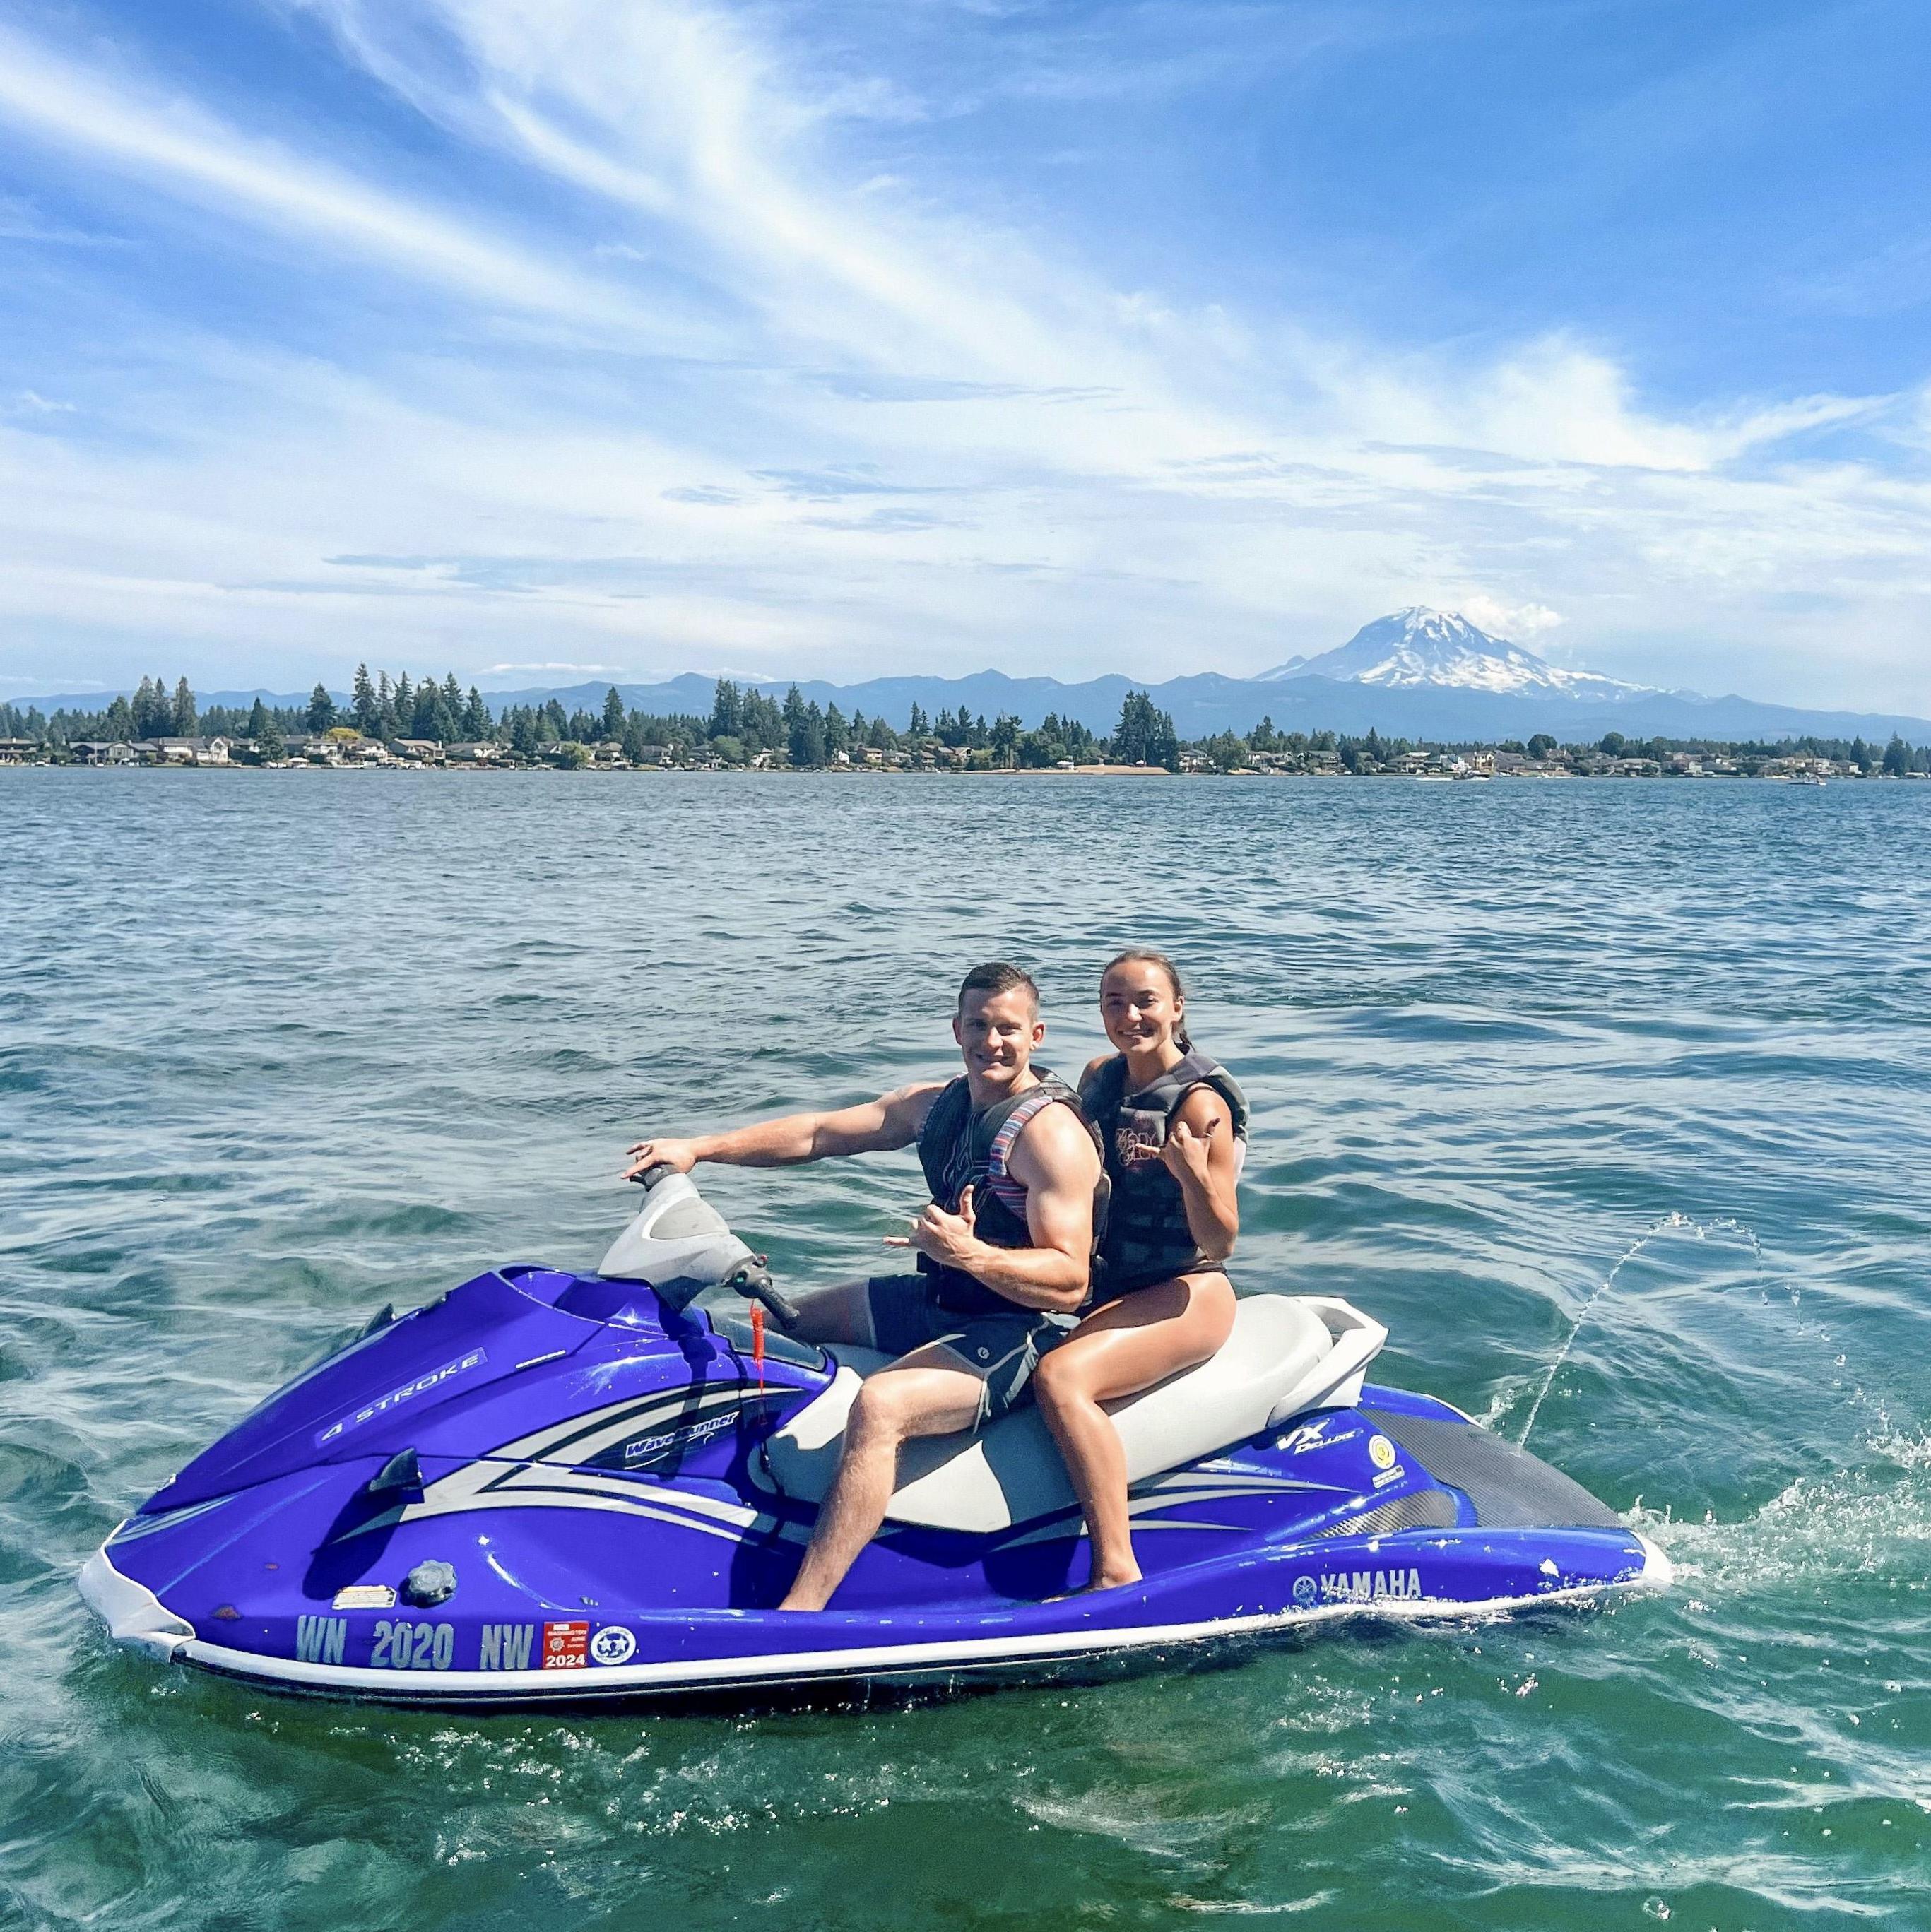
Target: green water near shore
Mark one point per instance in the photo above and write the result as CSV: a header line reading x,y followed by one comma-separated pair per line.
x,y
273,1052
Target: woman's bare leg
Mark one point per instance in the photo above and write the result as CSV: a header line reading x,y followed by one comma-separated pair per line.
x,y
1120,1349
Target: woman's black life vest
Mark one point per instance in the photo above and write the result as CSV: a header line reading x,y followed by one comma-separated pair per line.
x,y
1147,1238
958,1148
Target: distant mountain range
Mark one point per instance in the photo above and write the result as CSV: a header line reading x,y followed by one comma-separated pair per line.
x,y
1416,673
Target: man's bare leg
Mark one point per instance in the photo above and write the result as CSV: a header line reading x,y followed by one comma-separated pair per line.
x,y
922,1395
842,1313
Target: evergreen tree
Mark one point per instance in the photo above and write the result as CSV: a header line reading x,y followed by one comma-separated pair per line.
x,y
119,725
185,720
258,721
918,726
364,705
475,717
794,717
387,724
1131,735
809,747
1144,736
1005,737
321,713
613,714
763,727
274,747
1896,757
837,732
727,710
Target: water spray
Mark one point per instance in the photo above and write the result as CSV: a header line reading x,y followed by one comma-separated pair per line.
x,y
1671,1223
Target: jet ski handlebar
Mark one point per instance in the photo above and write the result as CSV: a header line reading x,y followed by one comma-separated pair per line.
x,y
681,1246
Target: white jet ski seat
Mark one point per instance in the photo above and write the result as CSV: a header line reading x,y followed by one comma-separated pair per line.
x,y
1286,1354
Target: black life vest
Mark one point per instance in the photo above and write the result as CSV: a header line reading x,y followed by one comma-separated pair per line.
x,y
1147,1238
958,1148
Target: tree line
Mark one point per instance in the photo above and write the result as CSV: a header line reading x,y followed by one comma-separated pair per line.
x,y
746,723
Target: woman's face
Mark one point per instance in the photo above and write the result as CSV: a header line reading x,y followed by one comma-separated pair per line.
x,y
1137,1007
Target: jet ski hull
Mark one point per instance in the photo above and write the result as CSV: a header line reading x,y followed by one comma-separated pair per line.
x,y
547,1488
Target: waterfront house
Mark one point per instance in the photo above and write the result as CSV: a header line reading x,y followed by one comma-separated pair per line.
x,y
473,751
416,751
187,751
18,751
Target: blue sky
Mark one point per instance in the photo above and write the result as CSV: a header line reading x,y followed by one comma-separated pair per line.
x,y
537,337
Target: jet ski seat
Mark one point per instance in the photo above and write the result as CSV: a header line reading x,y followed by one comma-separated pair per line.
x,y
1286,1354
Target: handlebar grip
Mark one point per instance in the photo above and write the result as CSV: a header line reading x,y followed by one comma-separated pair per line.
x,y
755,1285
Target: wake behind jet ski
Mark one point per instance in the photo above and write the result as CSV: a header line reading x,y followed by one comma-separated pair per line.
x,y
548,1487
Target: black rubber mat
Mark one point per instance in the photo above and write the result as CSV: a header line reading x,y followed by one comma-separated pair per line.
x,y
1426,1509
1510,1489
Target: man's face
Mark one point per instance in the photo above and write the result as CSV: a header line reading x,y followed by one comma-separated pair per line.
x,y
997,1033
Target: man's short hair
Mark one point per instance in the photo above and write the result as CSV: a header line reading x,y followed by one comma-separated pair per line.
x,y
998,976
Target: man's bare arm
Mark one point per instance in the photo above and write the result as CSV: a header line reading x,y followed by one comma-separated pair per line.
x,y
1055,1159
892,1120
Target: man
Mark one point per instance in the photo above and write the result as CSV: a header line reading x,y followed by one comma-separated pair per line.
x,y
1004,1248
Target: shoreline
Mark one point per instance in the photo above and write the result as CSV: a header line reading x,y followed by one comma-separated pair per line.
x,y
503,769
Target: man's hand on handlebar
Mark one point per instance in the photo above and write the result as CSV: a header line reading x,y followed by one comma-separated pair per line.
x,y
680,1154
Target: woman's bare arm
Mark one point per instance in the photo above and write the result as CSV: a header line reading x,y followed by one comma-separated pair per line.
x,y
1200,1153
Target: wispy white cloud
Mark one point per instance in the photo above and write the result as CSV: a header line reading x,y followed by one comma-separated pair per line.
x,y
178,147
906,429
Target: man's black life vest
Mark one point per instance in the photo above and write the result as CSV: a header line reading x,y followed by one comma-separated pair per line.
x,y
1147,1238
958,1148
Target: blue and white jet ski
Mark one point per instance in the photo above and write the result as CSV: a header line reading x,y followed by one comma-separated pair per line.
x,y
552,1487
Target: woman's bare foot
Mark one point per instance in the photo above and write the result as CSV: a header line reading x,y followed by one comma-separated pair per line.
x,y
1105,1581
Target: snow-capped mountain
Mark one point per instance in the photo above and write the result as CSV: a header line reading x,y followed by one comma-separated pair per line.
x,y
1420,648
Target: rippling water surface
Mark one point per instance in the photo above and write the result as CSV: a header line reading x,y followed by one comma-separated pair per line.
x,y
276,1047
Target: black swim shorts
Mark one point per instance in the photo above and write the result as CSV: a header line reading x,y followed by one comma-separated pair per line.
x,y
1002,1350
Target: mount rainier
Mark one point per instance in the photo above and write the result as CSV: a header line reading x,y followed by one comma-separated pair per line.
x,y
1420,649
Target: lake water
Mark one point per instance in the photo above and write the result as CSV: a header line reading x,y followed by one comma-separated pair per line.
x,y
276,1047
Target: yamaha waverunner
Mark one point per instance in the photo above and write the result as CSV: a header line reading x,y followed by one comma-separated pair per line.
x,y
551,1487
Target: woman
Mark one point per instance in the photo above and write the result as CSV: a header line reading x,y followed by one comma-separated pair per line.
x,y
1173,1126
